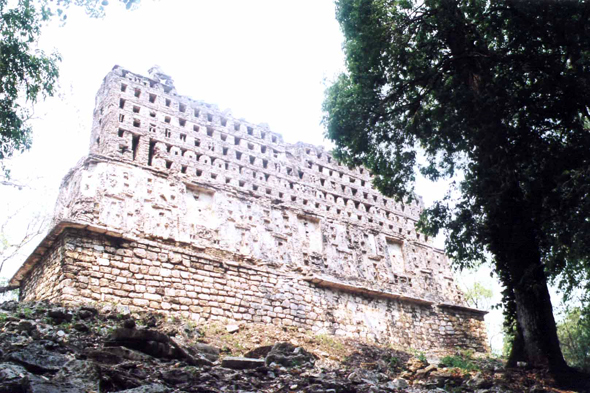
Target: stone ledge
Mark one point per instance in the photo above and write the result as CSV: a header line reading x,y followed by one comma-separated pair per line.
x,y
331,283
325,282
462,308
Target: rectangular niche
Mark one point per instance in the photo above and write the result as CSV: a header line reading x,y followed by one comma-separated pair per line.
x,y
199,205
395,255
309,229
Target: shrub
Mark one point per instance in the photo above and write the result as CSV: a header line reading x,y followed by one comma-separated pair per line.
x,y
463,361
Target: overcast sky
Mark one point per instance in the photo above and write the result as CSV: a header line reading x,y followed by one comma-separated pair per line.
x,y
267,60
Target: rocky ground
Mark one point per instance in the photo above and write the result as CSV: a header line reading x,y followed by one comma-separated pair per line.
x,y
107,348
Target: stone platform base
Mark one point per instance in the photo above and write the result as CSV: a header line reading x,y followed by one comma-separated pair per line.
x,y
82,265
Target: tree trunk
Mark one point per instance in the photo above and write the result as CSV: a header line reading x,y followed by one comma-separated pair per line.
x,y
515,246
534,314
517,352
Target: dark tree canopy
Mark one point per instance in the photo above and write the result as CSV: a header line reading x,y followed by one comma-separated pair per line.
x,y
27,73
496,94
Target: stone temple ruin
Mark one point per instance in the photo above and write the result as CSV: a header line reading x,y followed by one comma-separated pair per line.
x,y
182,208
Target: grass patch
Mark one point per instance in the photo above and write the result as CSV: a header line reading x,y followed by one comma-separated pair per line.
x,y
463,361
329,341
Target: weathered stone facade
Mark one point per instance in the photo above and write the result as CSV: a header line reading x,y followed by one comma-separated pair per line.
x,y
182,208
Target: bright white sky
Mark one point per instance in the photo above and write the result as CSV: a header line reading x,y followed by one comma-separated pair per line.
x,y
267,60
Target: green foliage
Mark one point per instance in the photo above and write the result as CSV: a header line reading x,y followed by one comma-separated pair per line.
x,y
574,338
393,362
463,361
495,95
3,317
329,341
26,72
478,296
422,357
27,312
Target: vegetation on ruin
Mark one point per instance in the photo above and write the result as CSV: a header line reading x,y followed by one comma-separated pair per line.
x,y
26,72
495,96
463,361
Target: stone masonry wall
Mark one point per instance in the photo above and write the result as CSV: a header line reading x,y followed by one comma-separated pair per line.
x,y
46,281
165,278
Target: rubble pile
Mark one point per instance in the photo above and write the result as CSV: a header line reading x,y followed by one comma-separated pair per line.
x,y
107,348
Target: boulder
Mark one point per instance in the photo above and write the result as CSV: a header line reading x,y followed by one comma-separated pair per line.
x,y
177,376
37,359
398,383
83,374
415,364
151,388
478,381
129,354
238,363
38,385
154,343
129,323
13,377
59,315
208,351
259,353
81,327
424,371
362,375
288,355
87,313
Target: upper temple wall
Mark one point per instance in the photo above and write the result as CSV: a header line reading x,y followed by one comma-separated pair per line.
x,y
139,120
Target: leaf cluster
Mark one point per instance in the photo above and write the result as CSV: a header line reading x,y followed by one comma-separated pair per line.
x,y
26,72
496,95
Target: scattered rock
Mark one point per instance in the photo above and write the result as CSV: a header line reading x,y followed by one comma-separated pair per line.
x,y
97,355
415,364
478,381
364,376
104,357
26,326
259,353
286,354
150,321
232,328
10,306
398,383
37,359
38,385
83,374
13,377
238,363
129,354
81,327
59,315
152,388
208,351
177,376
129,323
87,313
424,371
